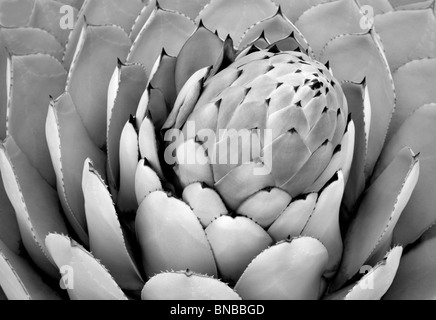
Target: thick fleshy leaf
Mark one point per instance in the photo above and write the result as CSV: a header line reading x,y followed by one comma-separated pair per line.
x,y
235,243
265,206
360,109
106,238
201,50
9,232
163,78
370,233
323,224
374,284
70,146
291,270
414,85
100,13
417,132
235,17
293,220
124,93
415,279
244,181
415,28
205,202
146,181
354,57
293,9
148,146
94,62
320,24
164,30
171,237
33,79
142,18
129,156
83,276
19,280
186,286
190,8
35,202
274,30
46,15
23,41
15,13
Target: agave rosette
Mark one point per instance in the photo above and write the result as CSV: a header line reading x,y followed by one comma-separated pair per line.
x,y
344,87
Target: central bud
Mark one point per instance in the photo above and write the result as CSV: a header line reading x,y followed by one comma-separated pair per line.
x,y
269,120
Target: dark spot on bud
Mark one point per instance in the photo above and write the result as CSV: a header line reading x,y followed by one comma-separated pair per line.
x,y
296,88
306,81
325,109
298,71
317,94
269,68
293,131
298,104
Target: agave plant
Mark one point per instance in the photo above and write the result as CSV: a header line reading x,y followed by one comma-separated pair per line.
x,y
262,149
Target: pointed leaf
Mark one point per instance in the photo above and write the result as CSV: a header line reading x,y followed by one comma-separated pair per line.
x,y
94,62
381,207
106,238
233,18
354,57
70,146
90,280
35,202
124,93
374,284
163,30
20,281
417,132
33,79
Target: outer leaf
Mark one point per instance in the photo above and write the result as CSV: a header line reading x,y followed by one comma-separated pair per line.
x,y
100,13
414,84
35,202
186,286
125,91
354,57
233,18
371,231
87,278
415,28
19,280
163,30
33,79
69,146
15,13
289,270
106,238
293,9
419,133
321,23
375,282
94,62
415,279
9,232
23,41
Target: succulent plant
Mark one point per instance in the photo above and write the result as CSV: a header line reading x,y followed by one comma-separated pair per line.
x,y
260,149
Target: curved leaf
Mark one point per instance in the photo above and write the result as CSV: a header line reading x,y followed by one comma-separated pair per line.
x,y
414,84
234,17
20,281
415,28
35,202
106,238
86,278
33,79
371,231
90,73
417,132
70,146
354,58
